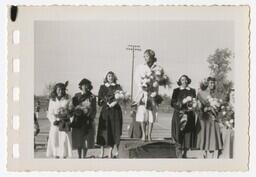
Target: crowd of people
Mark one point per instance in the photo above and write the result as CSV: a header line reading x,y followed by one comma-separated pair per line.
x,y
195,123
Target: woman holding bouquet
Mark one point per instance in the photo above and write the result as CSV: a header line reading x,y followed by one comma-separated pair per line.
x,y
183,120
110,120
84,111
59,142
209,137
149,76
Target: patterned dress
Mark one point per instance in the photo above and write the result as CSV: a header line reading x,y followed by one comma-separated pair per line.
x,y
111,119
209,136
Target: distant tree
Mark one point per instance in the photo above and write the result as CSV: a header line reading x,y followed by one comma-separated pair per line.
x,y
166,99
166,103
219,65
48,88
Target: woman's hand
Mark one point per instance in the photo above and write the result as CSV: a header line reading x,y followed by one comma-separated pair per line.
x,y
112,104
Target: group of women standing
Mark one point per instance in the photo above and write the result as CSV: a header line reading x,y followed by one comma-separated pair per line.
x,y
72,123
201,130
72,119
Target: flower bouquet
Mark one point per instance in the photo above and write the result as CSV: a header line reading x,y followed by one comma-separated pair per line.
x,y
63,121
81,112
150,82
226,116
190,104
160,77
213,106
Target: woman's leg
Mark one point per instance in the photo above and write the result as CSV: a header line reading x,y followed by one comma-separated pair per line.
x,y
209,154
150,127
101,151
110,152
116,146
79,151
184,153
84,152
143,127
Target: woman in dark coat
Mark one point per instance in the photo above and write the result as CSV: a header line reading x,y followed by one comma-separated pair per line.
x,y
84,104
110,120
183,120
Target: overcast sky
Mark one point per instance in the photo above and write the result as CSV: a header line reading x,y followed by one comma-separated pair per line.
x,y
72,50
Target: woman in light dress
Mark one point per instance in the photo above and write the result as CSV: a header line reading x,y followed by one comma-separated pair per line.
x,y
146,106
59,142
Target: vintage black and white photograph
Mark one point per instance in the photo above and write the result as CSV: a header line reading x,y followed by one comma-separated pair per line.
x,y
110,84
132,89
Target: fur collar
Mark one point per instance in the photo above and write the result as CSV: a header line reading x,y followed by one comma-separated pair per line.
x,y
108,84
182,88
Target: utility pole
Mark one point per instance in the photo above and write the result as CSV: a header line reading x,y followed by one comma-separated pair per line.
x,y
133,48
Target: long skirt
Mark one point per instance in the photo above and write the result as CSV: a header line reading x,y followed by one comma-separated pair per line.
x,y
186,137
83,137
209,136
110,126
59,143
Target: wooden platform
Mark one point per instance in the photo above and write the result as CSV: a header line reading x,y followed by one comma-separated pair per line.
x,y
135,148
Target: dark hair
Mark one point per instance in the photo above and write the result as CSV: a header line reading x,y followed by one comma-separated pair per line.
x,y
113,74
85,82
187,78
63,87
151,54
211,79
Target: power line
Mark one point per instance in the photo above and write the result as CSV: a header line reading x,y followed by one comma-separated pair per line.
x,y
133,48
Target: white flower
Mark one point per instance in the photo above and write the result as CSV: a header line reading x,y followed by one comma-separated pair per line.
x,y
194,105
185,100
231,121
153,94
148,73
209,97
158,73
117,96
224,113
147,80
121,96
155,84
189,98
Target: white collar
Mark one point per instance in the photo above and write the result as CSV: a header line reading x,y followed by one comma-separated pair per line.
x,y
182,88
108,84
154,65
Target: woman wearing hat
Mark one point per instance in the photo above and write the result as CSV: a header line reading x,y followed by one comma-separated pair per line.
x,y
209,137
183,120
59,142
84,111
110,120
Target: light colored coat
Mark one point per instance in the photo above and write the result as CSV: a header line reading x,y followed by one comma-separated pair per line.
x,y
59,142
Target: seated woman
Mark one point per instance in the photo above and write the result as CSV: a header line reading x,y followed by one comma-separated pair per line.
x,y
183,120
